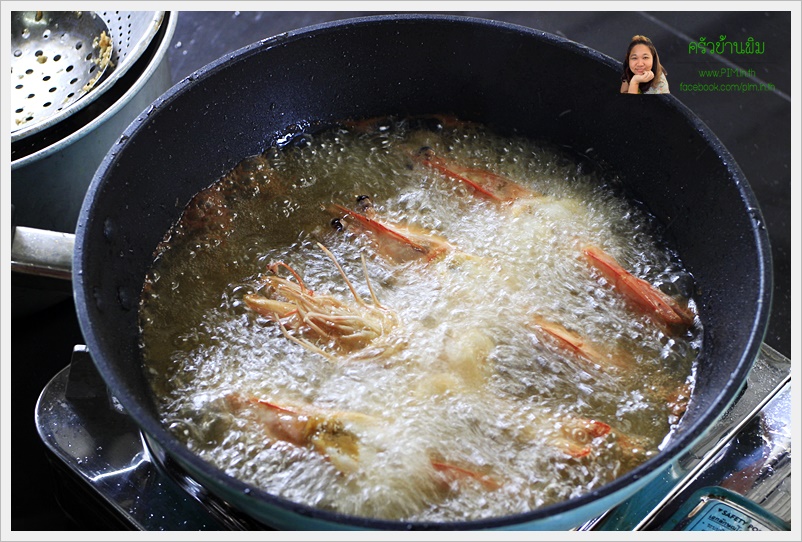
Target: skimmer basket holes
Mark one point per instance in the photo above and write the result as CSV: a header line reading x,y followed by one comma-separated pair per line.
x,y
54,61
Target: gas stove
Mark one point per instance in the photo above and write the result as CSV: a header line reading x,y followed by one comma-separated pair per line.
x,y
737,477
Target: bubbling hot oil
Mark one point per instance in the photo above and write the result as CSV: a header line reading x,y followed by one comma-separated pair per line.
x,y
473,415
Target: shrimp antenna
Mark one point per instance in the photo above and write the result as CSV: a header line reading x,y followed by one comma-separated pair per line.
x,y
342,272
367,281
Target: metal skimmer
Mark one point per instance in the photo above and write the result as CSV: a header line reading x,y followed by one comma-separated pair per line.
x,y
57,57
132,33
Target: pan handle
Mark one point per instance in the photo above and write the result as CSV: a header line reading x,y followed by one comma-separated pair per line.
x,y
42,253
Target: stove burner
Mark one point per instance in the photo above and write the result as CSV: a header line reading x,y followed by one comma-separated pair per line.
x,y
100,452
222,512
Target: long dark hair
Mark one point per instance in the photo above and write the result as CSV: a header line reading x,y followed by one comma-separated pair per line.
x,y
657,68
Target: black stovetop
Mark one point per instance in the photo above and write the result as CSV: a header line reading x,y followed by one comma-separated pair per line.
x,y
754,125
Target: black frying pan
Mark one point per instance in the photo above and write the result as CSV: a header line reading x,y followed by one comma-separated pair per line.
x,y
511,78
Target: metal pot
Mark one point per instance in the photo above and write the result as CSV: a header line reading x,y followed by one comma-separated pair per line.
x,y
509,77
52,167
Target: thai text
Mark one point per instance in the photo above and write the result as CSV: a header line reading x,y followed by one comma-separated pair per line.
x,y
722,46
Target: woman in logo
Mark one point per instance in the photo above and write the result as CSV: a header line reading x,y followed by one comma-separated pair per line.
x,y
643,73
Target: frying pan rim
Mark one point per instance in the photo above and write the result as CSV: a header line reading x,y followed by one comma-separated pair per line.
x,y
83,295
